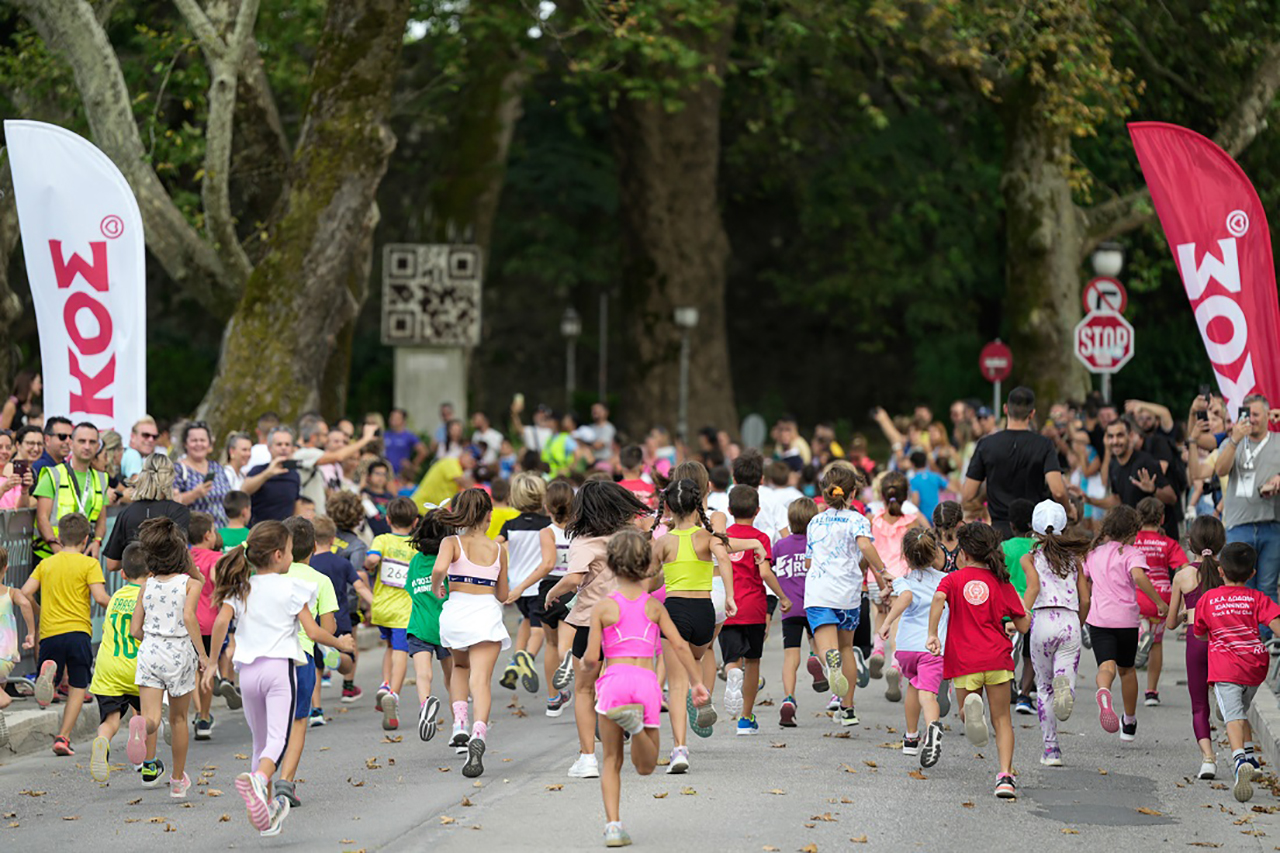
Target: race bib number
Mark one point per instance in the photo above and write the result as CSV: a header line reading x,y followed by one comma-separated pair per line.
x,y
394,573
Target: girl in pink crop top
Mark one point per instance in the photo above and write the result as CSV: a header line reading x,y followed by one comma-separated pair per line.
x,y
463,570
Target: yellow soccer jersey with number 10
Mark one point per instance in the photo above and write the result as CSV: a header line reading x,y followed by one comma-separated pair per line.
x,y
117,662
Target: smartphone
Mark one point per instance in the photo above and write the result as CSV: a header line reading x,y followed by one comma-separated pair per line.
x,y
1243,414
1205,391
1202,415
21,467
290,464
211,476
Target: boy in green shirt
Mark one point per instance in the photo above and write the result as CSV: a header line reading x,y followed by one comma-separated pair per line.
x,y
236,505
1015,549
424,622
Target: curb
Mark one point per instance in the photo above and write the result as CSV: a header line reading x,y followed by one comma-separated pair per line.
x,y
1264,716
32,729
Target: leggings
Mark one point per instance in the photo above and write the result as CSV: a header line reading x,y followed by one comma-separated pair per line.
x,y
862,634
1055,651
1198,685
269,689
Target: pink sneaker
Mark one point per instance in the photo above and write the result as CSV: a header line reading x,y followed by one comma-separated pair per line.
x,y
136,748
1106,716
44,684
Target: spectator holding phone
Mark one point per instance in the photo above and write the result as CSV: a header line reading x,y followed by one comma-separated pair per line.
x,y
274,487
1251,501
201,482
15,493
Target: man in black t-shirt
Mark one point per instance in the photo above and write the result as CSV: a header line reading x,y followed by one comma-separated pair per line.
x,y
1132,474
1016,462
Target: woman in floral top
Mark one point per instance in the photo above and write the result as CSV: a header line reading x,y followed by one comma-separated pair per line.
x,y
195,487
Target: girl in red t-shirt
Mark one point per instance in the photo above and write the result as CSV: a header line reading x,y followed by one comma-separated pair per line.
x,y
1164,556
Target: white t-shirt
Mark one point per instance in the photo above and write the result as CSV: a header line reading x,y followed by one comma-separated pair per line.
x,y
267,619
913,628
718,502
773,513
312,478
258,455
492,440
536,437
835,579
602,434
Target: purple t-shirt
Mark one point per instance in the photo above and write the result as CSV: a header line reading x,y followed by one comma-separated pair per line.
x,y
788,565
399,447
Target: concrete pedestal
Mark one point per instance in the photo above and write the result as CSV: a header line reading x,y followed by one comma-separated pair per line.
x,y
425,377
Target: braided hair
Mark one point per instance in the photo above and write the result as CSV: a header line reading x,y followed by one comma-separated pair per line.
x,y
684,498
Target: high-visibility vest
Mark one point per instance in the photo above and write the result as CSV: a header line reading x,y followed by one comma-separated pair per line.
x,y
68,499
557,455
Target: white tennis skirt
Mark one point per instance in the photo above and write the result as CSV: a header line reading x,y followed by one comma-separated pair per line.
x,y
468,618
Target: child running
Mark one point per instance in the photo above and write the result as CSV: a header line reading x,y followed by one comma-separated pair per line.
x,y
1164,557
626,627
523,537
164,619
1207,538
390,555
979,600
268,607
10,652
947,518
1058,603
471,624
1115,570
839,542
789,566
1229,616
115,670
424,624
206,548
888,527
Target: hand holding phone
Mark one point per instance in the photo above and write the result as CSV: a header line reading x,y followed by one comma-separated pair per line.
x,y
210,477
289,464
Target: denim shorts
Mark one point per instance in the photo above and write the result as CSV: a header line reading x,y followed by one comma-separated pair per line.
x,y
844,620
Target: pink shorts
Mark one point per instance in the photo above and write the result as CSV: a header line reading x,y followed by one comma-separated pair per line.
x,y
922,670
627,684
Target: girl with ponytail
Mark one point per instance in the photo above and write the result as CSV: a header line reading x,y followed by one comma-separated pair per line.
x,y
982,609
888,528
1207,538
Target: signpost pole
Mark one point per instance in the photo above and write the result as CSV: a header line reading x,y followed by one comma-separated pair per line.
x,y
995,400
1106,387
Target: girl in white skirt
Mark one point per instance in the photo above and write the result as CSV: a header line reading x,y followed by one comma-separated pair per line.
x,y
471,619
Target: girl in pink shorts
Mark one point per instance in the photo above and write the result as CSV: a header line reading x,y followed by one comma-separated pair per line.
x,y
628,627
922,670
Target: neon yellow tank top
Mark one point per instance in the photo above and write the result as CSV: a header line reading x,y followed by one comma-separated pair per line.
x,y
686,573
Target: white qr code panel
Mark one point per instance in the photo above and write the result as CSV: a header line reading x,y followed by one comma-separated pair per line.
x,y
430,295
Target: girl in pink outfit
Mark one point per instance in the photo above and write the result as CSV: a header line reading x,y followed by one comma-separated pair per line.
x,y
888,527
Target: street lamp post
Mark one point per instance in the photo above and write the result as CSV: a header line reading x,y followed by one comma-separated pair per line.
x,y
686,318
1107,260
571,328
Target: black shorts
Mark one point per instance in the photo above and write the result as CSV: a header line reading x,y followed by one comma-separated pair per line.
x,y
417,645
694,618
1114,644
1026,645
530,607
73,655
583,633
108,705
792,628
741,641
772,605
552,616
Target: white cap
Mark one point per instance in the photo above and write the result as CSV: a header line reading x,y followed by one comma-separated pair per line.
x,y
1048,514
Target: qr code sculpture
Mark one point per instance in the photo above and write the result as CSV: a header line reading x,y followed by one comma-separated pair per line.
x,y
430,295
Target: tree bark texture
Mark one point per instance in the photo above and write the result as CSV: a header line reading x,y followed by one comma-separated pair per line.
x,y
675,251
10,304
1044,230
311,281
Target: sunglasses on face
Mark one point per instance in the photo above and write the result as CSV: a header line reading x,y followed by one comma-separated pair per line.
x,y
150,436
62,436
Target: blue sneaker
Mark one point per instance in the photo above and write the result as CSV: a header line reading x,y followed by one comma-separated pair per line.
x,y
748,725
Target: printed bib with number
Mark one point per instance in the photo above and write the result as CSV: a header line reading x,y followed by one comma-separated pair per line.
x,y
393,573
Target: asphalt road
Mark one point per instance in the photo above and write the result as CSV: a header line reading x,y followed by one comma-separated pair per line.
x,y
783,790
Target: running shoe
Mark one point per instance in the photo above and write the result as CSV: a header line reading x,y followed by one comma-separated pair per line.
x,y
833,704
383,691
911,745
44,684
630,718
876,664
1152,699
975,721
1064,697
510,676
1006,787
788,720
228,691
178,787
701,718
563,676
893,685
616,836
475,753
586,767
1024,705
528,672
1208,770
151,772
1129,730
252,790
351,694
835,675
555,707
944,699
326,680
136,747
720,673
1243,789
427,716
100,760
390,717
820,683
847,717
932,745
1107,717
202,729
864,672
289,790
279,810
459,739
748,725
733,693
1144,649
1052,757
317,718
679,761
62,746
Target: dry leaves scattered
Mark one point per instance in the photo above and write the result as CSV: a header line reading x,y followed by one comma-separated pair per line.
x,y
445,820
241,756
555,787
213,792
1066,830
688,792
825,817
28,793
392,738
777,791
916,774
662,795
372,763
1147,811
967,805
226,818
859,839
355,784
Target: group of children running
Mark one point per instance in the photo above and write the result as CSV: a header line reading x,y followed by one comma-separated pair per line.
x,y
630,597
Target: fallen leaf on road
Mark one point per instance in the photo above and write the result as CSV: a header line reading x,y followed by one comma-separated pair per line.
x,y
967,805
133,820
1257,833
33,793
188,805
391,762
869,762
226,818
1217,786
1066,830
1147,811
777,791
668,760
916,774
71,817
168,827
322,749
372,763
466,801
810,825
346,841
134,802
662,795
14,825
778,745
445,821
770,849
1202,844
825,816
213,792
894,745
355,784
891,730
155,820
242,756
688,792
860,839
556,787
1102,772
10,814
765,702
518,712
844,735
444,769
392,738
845,800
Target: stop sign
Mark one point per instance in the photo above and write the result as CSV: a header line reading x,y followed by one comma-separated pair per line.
x,y
1104,341
995,361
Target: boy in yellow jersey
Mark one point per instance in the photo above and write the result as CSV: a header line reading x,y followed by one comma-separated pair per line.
x,y
114,670
390,555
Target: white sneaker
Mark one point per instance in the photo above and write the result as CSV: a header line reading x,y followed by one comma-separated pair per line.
x,y
733,693
679,761
1208,770
586,767
834,703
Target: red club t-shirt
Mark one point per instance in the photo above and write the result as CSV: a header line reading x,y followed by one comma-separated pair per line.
x,y
748,587
1230,616
977,604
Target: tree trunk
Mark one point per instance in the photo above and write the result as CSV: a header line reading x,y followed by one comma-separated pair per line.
x,y
310,283
10,304
675,251
1045,231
